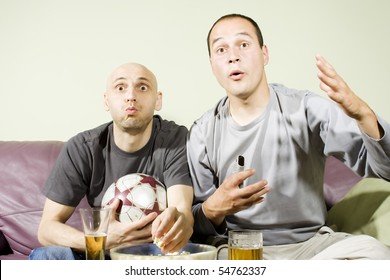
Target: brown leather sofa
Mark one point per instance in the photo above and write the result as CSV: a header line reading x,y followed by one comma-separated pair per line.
x,y
25,165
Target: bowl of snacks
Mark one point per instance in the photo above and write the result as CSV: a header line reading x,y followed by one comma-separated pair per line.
x,y
150,251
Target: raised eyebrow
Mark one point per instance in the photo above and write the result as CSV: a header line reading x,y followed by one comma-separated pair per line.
x,y
144,79
215,41
244,33
140,79
118,79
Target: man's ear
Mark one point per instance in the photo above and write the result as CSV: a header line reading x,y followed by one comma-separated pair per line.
x,y
105,102
158,105
265,54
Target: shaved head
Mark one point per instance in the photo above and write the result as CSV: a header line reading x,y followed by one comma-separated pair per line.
x,y
134,68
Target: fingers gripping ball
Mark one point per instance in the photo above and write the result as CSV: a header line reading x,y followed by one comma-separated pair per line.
x,y
140,194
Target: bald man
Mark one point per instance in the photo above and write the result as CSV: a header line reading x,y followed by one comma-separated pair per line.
x,y
135,141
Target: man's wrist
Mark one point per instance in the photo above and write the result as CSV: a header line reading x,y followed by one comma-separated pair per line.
x,y
216,220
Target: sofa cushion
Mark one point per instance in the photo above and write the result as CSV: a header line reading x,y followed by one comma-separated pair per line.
x,y
24,167
364,210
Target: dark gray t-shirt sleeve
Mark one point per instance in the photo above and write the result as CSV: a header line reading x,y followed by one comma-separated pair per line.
x,y
68,182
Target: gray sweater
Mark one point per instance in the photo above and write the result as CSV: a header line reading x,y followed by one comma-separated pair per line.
x,y
287,145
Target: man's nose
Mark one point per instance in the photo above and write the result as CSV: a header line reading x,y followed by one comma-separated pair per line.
x,y
233,57
130,96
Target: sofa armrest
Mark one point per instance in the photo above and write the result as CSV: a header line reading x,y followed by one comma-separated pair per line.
x,y
364,210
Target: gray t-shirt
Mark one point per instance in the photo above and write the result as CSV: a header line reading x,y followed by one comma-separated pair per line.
x,y
287,145
90,162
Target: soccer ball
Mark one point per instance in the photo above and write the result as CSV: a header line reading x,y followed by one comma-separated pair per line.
x,y
140,194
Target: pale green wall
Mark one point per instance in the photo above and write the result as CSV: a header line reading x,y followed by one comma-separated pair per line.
x,y
55,55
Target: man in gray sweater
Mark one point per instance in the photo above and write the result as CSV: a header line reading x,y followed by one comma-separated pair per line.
x,y
285,136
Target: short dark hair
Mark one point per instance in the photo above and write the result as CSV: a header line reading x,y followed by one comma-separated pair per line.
x,y
254,23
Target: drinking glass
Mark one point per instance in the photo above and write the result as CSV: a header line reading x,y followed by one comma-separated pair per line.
x,y
245,245
95,225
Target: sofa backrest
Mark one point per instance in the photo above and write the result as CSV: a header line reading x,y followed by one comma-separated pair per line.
x,y
24,168
338,180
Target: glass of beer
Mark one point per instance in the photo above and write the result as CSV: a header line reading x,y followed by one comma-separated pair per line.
x,y
95,225
245,245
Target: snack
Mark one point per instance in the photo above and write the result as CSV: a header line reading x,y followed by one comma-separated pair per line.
x,y
158,242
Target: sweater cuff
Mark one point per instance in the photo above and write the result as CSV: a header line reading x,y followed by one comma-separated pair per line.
x,y
219,230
